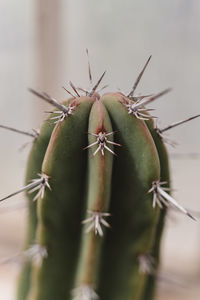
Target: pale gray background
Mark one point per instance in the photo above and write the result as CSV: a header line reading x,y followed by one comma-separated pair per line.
x,y
42,45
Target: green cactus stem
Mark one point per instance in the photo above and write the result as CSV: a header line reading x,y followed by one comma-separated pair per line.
x,y
98,185
100,188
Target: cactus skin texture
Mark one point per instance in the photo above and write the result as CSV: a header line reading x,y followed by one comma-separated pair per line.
x,y
97,217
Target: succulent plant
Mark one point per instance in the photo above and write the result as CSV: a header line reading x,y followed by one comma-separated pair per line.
x,y
97,183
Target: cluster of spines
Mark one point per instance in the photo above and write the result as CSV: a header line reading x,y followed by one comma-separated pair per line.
x,y
134,105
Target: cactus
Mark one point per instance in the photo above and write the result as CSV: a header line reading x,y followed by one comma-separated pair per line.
x,y
94,171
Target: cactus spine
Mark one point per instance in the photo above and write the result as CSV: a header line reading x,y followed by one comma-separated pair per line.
x,y
93,172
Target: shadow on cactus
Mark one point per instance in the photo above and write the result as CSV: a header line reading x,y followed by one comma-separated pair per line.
x,y
98,188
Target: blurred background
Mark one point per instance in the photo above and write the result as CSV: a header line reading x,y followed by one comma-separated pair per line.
x,y
42,45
